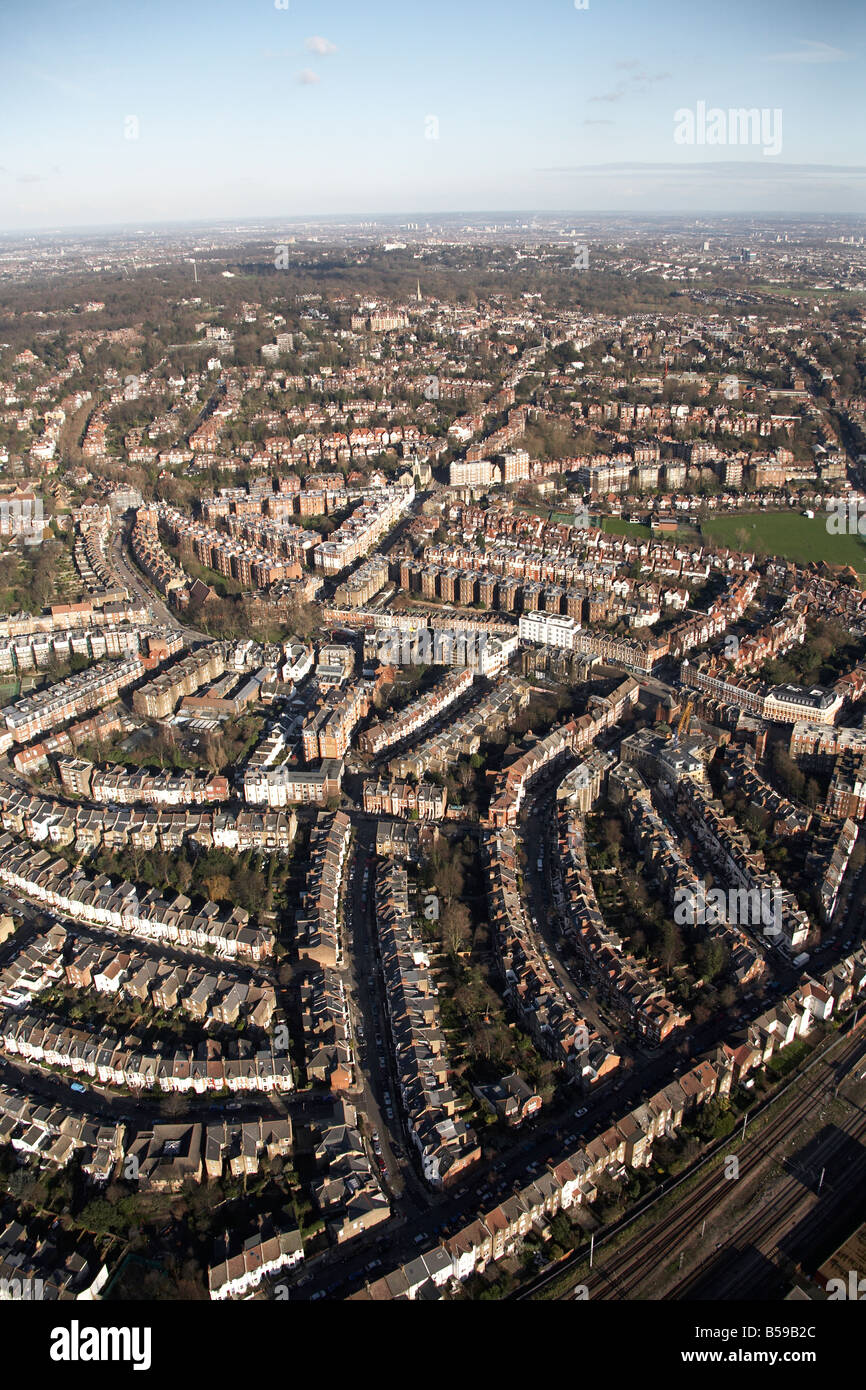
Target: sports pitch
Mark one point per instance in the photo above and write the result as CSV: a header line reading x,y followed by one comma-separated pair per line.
x,y
788,535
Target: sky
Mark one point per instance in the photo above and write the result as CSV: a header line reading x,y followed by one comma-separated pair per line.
x,y
131,112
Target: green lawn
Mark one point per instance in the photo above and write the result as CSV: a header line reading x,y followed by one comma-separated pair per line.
x,y
788,535
615,526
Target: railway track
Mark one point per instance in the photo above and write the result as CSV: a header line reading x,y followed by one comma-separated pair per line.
x,y
769,1224
623,1273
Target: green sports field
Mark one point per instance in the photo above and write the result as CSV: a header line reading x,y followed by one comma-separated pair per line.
x,y
789,535
615,526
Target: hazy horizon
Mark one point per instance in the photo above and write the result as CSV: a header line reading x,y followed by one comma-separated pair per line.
x,y
201,113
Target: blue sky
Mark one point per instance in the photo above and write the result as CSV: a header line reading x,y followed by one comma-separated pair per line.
x,y
247,110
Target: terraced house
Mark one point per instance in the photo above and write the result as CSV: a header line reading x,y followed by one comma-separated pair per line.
x,y
446,1145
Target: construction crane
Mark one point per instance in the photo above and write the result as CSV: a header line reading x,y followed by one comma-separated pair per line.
x,y
685,720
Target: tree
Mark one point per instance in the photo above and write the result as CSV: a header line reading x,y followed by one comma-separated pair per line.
x,y
788,772
219,887
183,874
305,620
613,834
449,879
249,887
465,774
711,957
456,925
671,946
214,752
812,793
173,1105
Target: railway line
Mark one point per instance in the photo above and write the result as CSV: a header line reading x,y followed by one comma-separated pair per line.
x,y
729,1271
625,1270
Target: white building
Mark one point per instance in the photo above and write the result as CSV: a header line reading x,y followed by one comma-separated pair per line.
x,y
474,473
548,630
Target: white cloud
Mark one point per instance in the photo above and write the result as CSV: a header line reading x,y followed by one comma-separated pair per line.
x,y
751,170
308,78
323,47
811,51
639,81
